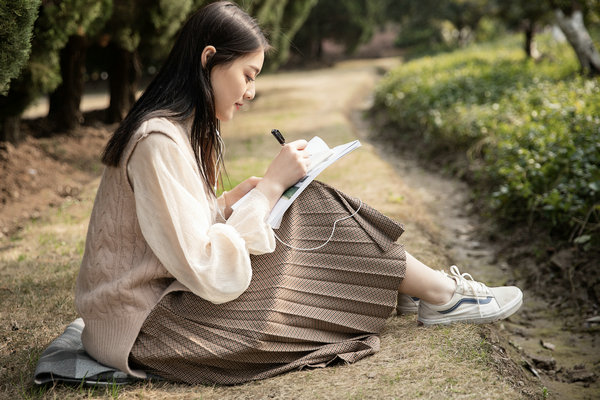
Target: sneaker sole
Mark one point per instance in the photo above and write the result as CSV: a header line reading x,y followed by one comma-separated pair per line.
x,y
407,310
509,310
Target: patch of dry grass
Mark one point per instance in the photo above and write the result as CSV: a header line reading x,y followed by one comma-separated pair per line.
x,y
38,270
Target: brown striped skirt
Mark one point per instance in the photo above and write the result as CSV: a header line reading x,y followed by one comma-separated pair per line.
x,y
302,308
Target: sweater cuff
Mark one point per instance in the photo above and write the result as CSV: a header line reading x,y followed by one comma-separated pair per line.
x,y
250,219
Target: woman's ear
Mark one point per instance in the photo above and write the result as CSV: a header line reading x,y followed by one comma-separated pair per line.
x,y
207,53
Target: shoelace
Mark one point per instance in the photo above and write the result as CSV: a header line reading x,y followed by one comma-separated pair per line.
x,y
468,280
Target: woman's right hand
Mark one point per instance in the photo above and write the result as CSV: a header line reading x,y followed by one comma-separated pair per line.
x,y
290,165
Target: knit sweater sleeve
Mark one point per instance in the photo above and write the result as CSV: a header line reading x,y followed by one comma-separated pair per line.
x,y
176,218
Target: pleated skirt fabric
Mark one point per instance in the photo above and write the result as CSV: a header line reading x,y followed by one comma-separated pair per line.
x,y
303,308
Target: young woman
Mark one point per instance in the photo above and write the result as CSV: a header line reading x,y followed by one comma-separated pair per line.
x,y
175,282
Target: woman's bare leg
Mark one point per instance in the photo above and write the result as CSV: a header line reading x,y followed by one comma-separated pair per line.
x,y
425,283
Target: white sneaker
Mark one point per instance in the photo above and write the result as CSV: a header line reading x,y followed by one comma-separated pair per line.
x,y
407,304
472,302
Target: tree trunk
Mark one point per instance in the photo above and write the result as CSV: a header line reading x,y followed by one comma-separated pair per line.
x,y
530,47
124,75
12,106
10,129
579,38
318,49
64,112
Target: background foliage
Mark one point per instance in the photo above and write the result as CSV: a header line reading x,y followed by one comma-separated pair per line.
x,y
56,22
347,22
527,133
528,124
15,37
124,40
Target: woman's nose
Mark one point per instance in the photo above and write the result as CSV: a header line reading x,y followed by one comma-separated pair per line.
x,y
250,91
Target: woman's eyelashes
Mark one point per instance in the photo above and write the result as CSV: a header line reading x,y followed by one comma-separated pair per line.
x,y
249,79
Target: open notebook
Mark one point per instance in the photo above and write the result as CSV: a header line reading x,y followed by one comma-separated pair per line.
x,y
321,157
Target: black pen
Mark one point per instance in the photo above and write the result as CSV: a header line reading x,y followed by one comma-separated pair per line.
x,y
278,136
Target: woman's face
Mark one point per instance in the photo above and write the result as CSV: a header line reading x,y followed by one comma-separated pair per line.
x,y
233,84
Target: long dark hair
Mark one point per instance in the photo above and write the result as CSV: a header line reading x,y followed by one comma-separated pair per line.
x,y
182,87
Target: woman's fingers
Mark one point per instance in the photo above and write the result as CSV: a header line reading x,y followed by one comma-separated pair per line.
x,y
300,155
250,183
299,144
290,165
232,196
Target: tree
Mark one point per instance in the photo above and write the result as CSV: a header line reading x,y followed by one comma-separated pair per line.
x,y
88,16
526,16
282,19
57,21
65,27
18,17
157,21
570,16
465,16
432,22
348,22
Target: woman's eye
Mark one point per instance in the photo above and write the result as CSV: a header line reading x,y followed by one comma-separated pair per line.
x,y
249,79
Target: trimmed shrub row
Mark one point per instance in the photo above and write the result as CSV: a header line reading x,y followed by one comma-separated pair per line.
x,y
530,131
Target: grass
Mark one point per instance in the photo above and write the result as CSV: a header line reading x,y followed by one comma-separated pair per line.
x,y
38,271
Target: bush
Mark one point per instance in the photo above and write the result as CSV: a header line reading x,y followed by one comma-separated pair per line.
x,y
16,30
530,131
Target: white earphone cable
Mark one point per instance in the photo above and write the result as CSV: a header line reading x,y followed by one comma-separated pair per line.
x,y
330,236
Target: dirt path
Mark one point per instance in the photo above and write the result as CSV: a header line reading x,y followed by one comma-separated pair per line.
x,y
39,261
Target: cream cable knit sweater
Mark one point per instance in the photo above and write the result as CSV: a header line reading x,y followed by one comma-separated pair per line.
x,y
154,229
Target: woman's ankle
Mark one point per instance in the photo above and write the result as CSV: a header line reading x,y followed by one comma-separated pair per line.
x,y
442,295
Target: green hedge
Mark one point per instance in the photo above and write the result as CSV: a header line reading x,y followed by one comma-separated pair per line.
x,y
529,130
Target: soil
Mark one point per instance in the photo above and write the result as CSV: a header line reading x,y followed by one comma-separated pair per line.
x,y
560,349
43,172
